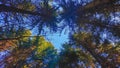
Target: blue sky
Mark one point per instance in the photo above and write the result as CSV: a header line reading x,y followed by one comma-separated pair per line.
x,y
57,40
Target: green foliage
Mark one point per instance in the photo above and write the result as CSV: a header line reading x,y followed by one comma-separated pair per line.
x,y
82,36
43,47
26,5
104,50
26,34
40,52
71,57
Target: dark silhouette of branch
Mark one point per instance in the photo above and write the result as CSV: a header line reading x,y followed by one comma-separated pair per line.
x,y
16,38
114,28
5,8
101,60
102,5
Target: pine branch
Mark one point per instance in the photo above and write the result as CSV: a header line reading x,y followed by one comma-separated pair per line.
x,y
5,8
16,38
104,5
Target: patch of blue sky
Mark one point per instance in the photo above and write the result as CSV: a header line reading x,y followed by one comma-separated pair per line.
x,y
3,54
56,38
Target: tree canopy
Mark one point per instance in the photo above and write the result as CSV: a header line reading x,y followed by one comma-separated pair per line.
x,y
93,25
